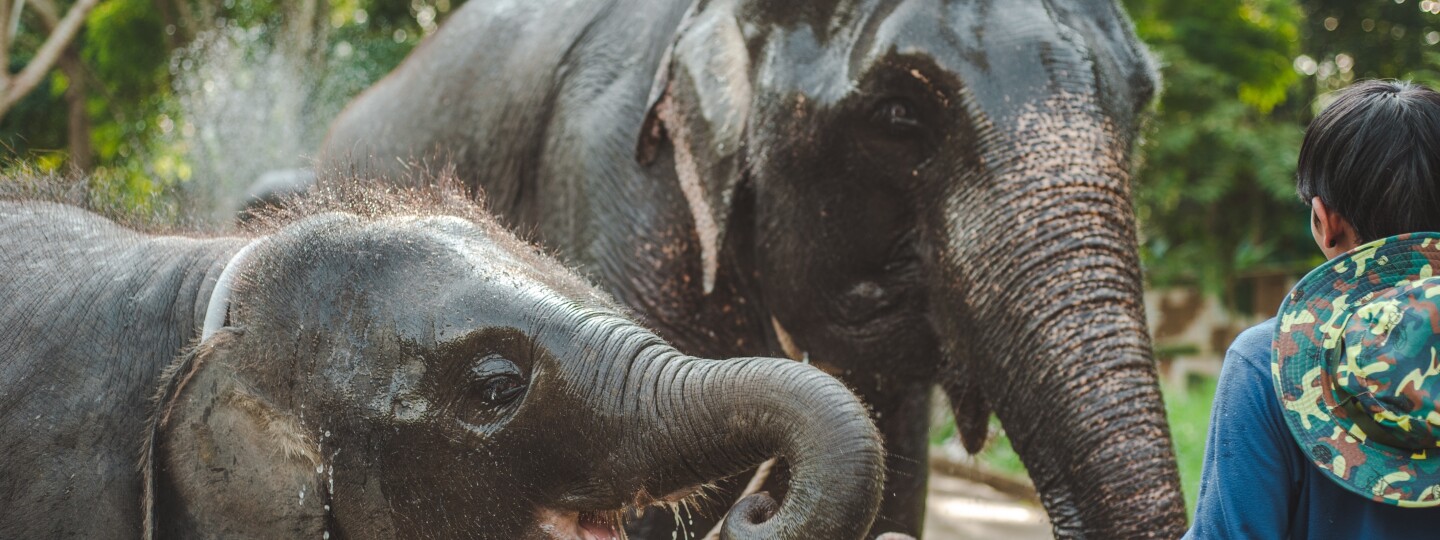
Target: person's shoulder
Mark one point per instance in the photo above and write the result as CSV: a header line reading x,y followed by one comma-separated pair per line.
x,y
1254,345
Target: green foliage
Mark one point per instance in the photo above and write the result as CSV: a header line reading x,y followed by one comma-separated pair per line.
x,y
1250,43
32,128
1215,189
1429,73
1367,40
142,62
1188,410
1000,456
125,47
360,53
36,126
125,50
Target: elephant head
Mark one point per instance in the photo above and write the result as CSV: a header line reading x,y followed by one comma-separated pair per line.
x,y
939,190
424,374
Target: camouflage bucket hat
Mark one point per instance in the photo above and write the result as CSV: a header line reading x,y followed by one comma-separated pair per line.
x,y
1357,371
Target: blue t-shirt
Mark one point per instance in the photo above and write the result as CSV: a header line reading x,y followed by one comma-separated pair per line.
x,y
1257,484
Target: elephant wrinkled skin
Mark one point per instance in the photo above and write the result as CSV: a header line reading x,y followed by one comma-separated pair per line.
x,y
904,191
386,369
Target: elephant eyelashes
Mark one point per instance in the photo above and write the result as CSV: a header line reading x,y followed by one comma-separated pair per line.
x,y
898,113
895,136
497,381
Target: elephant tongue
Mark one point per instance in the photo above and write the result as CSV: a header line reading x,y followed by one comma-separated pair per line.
x,y
594,527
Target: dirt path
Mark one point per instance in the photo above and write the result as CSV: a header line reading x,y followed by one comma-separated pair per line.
x,y
962,510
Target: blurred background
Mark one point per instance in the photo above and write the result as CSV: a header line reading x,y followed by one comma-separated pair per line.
x,y
173,107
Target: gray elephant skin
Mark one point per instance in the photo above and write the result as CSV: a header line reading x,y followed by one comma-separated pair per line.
x,y
388,367
905,192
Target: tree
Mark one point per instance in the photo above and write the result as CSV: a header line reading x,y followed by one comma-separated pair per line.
x,y
129,100
16,86
78,117
1215,190
1347,40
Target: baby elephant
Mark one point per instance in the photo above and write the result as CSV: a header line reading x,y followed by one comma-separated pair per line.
x,y
377,366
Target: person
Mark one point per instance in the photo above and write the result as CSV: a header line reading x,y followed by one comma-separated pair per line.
x,y
1325,421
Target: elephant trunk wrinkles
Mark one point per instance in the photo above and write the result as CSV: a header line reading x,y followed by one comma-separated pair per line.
x,y
1090,424
706,419
1054,330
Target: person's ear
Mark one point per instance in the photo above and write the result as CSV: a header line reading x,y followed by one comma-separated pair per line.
x,y
1333,233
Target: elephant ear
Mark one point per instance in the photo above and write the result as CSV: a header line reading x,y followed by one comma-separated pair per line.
x,y
221,459
700,103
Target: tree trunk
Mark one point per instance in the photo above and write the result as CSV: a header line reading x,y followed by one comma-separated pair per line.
x,y
178,29
82,155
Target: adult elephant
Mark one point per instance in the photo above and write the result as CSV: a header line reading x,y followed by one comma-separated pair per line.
x,y
904,192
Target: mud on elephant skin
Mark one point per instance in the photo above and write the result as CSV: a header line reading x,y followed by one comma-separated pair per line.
x,y
905,191
376,364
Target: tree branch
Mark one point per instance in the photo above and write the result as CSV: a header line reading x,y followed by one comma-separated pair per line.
x,y
48,13
5,41
14,21
12,90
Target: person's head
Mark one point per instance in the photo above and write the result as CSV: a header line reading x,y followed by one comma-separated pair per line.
x,y
1370,165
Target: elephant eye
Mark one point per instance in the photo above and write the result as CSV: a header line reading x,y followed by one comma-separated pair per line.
x,y
497,381
501,390
897,112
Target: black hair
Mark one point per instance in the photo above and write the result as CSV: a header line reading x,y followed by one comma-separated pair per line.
x,y
1373,156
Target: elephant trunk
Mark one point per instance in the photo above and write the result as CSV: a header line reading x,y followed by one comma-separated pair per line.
x,y
1051,336
707,419
1081,405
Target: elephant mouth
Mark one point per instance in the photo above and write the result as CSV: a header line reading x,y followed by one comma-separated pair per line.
x,y
563,525
599,526
606,524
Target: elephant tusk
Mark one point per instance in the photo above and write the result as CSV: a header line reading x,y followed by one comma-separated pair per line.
x,y
217,310
787,343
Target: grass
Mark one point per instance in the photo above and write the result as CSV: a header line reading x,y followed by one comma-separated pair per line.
x,y
1188,410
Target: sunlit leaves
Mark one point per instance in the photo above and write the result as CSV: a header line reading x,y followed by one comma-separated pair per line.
x,y
1378,39
144,66
125,47
1215,189
1215,192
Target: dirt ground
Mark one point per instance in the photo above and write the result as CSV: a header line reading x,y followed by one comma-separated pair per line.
x,y
962,510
